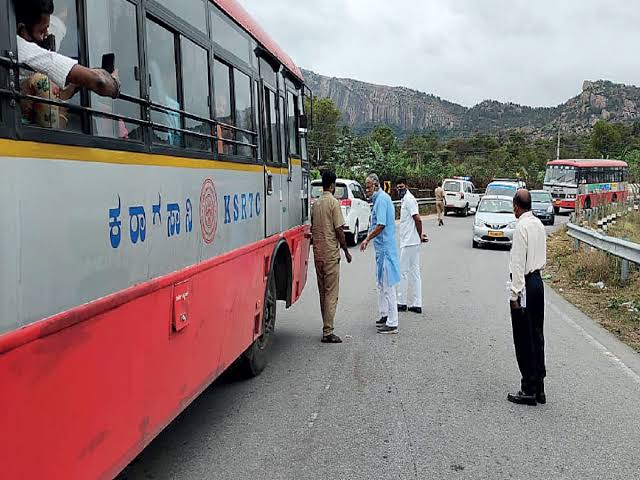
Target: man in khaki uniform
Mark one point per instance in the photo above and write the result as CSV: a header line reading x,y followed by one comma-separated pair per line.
x,y
328,237
440,202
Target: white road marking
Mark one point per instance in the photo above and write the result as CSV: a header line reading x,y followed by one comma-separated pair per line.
x,y
599,346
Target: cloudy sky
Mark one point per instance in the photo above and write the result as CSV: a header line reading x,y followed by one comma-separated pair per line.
x,y
532,52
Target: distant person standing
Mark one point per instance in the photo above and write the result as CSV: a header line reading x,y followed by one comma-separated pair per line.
x,y
383,233
328,238
411,237
440,202
528,257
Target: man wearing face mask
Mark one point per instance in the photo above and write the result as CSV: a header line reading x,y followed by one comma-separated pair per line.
x,y
409,291
33,18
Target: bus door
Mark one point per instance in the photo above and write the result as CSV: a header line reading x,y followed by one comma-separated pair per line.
x,y
274,196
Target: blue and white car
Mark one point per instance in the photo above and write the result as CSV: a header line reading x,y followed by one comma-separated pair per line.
x,y
495,221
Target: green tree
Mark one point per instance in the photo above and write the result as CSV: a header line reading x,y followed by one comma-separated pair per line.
x,y
606,139
324,133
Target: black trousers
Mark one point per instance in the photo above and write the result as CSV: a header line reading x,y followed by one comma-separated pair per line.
x,y
528,335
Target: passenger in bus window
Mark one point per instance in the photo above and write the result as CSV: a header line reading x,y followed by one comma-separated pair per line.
x,y
56,76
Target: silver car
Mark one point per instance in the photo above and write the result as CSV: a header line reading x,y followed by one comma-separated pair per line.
x,y
495,221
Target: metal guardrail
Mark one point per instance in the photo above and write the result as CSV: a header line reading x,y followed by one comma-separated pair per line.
x,y
628,252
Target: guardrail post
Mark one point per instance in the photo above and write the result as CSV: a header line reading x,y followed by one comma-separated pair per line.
x,y
624,273
576,245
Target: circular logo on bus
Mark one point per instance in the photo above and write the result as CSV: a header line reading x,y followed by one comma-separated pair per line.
x,y
208,211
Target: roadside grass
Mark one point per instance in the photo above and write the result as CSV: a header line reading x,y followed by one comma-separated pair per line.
x,y
628,227
591,281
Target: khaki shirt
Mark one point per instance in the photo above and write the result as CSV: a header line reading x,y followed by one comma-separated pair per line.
x,y
439,194
326,218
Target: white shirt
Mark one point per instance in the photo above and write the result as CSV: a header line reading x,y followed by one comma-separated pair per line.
x,y
408,232
529,251
52,64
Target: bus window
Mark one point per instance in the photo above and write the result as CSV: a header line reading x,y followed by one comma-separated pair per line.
x,y
64,26
163,83
244,115
195,89
192,11
225,33
256,117
282,128
272,124
292,104
223,113
118,35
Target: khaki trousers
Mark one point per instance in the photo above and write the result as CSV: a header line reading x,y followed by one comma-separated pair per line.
x,y
440,209
328,274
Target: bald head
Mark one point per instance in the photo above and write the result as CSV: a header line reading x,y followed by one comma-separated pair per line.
x,y
522,202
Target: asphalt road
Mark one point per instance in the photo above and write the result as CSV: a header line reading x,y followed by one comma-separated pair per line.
x,y
428,403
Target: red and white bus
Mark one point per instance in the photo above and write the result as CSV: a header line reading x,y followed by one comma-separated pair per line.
x,y
586,183
145,240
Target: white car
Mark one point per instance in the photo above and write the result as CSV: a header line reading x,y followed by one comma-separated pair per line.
x,y
355,207
460,196
495,221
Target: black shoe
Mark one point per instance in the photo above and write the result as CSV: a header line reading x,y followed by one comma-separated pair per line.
x,y
382,321
331,339
540,396
388,330
402,308
415,309
522,399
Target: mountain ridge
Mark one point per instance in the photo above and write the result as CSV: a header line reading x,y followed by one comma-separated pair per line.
x,y
364,105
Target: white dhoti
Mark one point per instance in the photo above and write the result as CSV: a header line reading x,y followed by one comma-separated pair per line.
x,y
410,288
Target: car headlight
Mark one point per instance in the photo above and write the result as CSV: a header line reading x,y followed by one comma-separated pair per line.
x,y
550,209
478,222
512,225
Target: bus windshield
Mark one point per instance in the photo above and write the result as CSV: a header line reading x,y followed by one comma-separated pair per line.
x,y
560,175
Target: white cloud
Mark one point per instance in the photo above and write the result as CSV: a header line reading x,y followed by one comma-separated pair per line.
x,y
529,52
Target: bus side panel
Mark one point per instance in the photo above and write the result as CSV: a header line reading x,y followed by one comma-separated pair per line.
x,y
83,402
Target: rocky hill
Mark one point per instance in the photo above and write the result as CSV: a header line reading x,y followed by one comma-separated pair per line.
x,y
364,105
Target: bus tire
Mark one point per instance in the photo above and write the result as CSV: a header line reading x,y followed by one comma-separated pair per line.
x,y
255,358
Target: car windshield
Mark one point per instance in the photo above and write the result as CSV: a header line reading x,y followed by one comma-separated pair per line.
x,y
451,186
540,197
560,174
341,191
505,190
495,205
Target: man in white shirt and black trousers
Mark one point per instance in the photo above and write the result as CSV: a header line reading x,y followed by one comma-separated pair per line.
x,y
411,237
528,257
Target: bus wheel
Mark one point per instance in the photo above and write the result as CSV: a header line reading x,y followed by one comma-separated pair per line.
x,y
255,359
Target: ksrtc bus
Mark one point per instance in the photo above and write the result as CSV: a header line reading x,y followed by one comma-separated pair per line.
x,y
586,183
145,240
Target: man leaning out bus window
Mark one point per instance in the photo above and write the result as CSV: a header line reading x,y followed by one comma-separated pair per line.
x,y
56,75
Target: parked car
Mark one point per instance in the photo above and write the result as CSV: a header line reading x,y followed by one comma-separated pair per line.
x,y
495,221
542,206
355,207
460,196
505,187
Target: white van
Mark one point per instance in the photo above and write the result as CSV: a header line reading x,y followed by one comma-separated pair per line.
x,y
460,196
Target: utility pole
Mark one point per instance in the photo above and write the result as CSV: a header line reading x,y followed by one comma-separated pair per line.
x,y
558,150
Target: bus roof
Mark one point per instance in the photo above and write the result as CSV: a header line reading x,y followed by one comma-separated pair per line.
x,y
246,21
586,162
